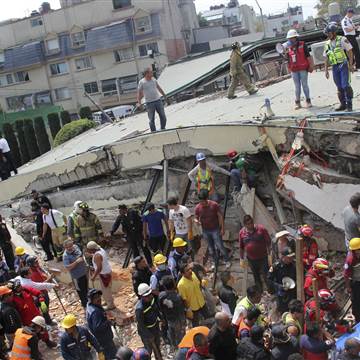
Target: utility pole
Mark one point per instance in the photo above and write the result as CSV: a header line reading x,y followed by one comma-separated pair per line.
x,y
98,106
262,17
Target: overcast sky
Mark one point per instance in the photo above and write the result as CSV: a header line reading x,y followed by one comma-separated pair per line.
x,y
22,8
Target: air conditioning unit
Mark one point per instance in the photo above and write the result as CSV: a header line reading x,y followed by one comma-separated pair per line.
x,y
317,52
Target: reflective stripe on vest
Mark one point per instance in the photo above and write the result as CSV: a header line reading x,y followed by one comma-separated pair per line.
x,y
204,181
21,349
147,310
335,55
297,58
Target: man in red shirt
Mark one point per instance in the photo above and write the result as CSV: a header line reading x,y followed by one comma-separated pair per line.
x,y
208,214
255,243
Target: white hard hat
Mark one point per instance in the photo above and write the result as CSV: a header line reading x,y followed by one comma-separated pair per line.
x,y
92,245
39,320
76,205
292,33
279,234
144,289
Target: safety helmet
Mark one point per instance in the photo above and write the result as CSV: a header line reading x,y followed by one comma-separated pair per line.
x,y
141,354
31,260
84,206
326,296
159,259
77,203
19,250
306,231
4,290
292,33
320,264
200,156
179,242
92,292
331,28
231,154
144,289
14,284
40,321
69,321
354,244
235,45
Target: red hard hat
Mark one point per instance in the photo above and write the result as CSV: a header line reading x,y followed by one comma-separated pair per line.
x,y
320,264
232,153
326,296
306,231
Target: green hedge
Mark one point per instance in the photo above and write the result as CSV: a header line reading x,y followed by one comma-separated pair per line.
x,y
65,117
54,124
41,135
25,156
73,129
30,139
85,113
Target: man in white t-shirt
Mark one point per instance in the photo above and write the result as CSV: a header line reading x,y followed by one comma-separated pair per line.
x,y
5,153
56,221
349,30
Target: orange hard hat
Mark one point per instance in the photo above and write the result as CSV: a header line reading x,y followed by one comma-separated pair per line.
x,y
232,154
187,341
4,290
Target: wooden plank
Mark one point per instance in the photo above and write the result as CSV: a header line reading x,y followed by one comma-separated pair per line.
x,y
300,269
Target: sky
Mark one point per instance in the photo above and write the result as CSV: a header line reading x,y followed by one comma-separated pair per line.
x,y
22,8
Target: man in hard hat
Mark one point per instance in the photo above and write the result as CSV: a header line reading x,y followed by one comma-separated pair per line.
x,y
162,270
351,218
202,174
238,73
87,226
300,63
5,244
352,276
26,340
148,317
75,341
177,256
141,273
72,218
99,325
20,258
338,54
311,248
281,241
102,268
283,268
350,30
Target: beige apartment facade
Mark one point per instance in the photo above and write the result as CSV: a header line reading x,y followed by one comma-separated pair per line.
x,y
98,47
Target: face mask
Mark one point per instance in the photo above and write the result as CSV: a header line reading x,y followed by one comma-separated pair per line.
x,y
162,267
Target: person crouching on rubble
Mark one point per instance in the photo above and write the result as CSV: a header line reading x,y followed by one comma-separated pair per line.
x,y
311,249
20,258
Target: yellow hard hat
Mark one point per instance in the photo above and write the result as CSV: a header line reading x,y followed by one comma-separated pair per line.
x,y
19,251
354,244
159,259
179,242
69,321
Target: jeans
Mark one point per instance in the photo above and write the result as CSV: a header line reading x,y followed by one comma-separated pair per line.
x,y
235,175
152,344
301,80
259,269
215,241
157,106
342,80
198,314
176,331
157,243
82,286
356,52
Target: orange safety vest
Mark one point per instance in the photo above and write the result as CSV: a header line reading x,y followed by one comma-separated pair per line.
x,y
205,182
21,349
242,326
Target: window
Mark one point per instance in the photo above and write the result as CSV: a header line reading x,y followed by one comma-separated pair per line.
x,y
59,68
143,49
36,22
8,79
52,46
123,54
143,25
91,87
78,39
108,87
43,98
62,93
119,4
22,102
21,76
128,84
2,58
83,63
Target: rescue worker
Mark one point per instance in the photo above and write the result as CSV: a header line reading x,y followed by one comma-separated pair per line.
x,y
5,244
87,226
320,271
293,319
77,341
40,198
285,267
27,339
247,322
238,73
352,276
311,249
281,241
300,63
130,221
99,325
147,316
177,257
227,294
339,55
141,273
20,258
202,174
252,348
72,218
162,270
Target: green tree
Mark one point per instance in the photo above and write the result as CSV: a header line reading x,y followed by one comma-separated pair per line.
x,y
41,135
65,117
85,113
10,136
19,126
54,124
30,139
202,21
322,6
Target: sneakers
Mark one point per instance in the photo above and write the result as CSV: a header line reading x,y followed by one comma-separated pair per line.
x,y
297,105
232,97
342,107
253,91
308,103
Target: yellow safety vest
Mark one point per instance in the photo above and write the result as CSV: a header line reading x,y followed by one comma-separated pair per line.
x,y
337,54
205,181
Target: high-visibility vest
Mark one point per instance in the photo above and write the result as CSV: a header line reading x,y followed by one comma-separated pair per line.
x,y
21,350
242,326
205,181
150,315
337,54
288,321
297,58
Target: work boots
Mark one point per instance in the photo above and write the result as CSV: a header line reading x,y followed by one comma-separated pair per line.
x,y
341,97
297,105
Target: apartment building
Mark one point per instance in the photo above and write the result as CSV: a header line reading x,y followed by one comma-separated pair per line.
x,y
93,46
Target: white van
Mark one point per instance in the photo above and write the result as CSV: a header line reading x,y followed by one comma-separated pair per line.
x,y
115,113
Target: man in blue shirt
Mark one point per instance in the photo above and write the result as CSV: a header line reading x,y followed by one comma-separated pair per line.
x,y
74,262
153,228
